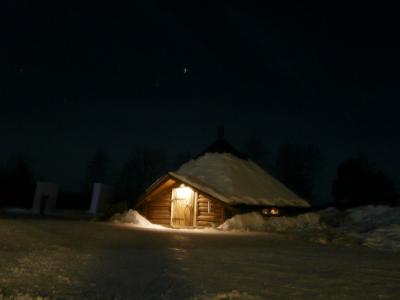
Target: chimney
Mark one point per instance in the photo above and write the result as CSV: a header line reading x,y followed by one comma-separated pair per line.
x,y
221,132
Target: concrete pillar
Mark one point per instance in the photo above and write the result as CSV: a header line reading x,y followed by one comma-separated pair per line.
x,y
45,199
102,196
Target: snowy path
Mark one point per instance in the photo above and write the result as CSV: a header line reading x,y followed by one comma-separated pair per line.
x,y
70,259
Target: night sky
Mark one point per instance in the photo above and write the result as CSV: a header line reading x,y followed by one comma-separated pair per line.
x,y
77,78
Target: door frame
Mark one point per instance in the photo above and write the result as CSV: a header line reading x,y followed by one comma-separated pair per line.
x,y
195,196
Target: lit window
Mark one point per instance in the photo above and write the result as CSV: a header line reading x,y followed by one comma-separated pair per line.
x,y
274,211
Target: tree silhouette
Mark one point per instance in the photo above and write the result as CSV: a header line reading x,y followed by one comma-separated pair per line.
x,y
297,167
144,166
98,170
255,150
358,183
180,159
17,184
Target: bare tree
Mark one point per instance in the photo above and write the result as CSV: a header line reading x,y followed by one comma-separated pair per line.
x,y
358,182
17,184
255,149
180,159
98,170
297,166
144,166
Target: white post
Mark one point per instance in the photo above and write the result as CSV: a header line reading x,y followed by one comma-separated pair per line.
x,y
101,198
45,199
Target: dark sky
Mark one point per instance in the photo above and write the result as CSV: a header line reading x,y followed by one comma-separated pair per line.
x,y
76,78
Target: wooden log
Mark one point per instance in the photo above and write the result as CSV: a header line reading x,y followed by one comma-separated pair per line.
x,y
162,197
207,218
158,216
159,221
202,200
159,209
212,207
210,214
166,208
204,223
160,203
162,224
202,209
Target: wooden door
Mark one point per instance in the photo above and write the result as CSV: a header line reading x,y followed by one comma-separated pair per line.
x,y
182,210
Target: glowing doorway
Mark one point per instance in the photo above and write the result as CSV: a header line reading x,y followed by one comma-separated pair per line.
x,y
182,207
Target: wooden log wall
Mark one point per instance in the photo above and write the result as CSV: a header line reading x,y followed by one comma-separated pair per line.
x,y
157,209
211,218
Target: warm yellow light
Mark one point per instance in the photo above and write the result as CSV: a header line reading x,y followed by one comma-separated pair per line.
x,y
270,211
182,193
274,211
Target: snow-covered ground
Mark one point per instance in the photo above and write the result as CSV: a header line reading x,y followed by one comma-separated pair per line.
x,y
92,260
371,226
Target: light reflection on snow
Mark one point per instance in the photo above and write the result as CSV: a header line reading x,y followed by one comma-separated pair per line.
x,y
179,254
90,260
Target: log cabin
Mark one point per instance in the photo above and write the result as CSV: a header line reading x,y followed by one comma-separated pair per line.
x,y
217,184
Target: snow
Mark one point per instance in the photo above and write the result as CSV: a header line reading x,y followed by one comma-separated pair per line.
x,y
256,222
234,180
244,222
64,259
371,226
134,218
17,211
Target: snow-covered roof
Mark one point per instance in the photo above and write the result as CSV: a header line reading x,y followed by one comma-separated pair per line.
x,y
236,181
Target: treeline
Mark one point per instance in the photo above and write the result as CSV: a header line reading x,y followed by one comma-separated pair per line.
x,y
17,184
143,166
298,166
357,181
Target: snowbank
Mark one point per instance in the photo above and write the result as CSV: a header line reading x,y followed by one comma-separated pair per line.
x,y
308,221
371,226
250,221
256,222
376,227
132,217
18,211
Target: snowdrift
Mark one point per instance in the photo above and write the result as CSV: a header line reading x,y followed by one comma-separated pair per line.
x,y
133,218
256,222
371,226
376,227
